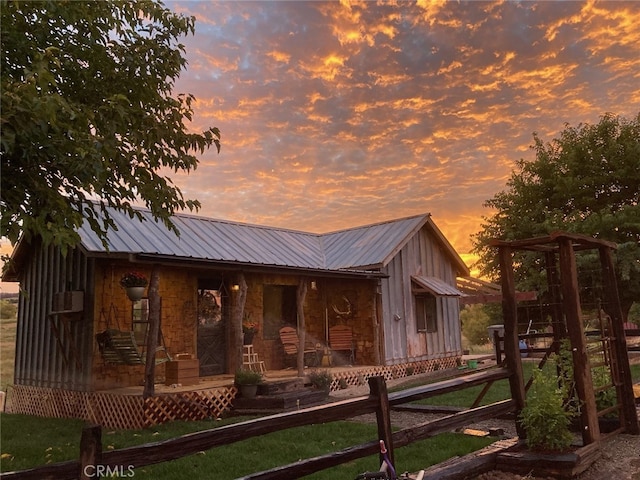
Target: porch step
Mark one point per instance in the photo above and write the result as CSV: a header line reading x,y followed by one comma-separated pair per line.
x,y
282,402
278,387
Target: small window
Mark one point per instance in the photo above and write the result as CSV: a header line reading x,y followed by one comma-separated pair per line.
x,y
426,313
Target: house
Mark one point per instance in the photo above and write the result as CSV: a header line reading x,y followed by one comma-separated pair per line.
x,y
393,283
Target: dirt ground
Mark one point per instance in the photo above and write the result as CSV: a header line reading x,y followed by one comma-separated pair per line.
x,y
619,460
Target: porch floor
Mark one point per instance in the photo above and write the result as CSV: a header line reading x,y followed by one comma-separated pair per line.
x,y
226,380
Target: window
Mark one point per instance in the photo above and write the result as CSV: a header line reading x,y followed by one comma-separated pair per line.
x,y
426,313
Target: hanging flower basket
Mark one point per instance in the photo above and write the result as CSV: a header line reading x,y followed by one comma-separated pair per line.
x,y
135,293
135,284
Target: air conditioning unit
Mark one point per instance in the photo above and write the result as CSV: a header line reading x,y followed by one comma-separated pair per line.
x,y
68,302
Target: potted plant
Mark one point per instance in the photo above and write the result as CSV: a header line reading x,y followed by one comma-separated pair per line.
x,y
249,329
134,284
247,382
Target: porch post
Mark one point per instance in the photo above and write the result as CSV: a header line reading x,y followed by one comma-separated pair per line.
x,y
301,293
153,333
237,313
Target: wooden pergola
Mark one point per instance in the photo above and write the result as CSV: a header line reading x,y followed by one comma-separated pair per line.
x,y
559,251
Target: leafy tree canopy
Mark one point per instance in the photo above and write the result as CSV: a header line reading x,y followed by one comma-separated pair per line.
x,y
87,113
586,181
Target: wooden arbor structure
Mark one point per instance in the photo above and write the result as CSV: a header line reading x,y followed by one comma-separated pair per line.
x,y
559,252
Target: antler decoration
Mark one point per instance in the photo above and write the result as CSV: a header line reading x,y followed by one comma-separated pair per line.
x,y
345,313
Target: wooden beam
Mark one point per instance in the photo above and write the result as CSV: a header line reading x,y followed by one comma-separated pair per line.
x,y
511,347
625,391
581,368
152,333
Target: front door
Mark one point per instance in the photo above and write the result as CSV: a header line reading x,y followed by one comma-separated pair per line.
x,y
212,329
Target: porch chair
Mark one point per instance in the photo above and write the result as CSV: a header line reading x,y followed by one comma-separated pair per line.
x,y
341,340
290,341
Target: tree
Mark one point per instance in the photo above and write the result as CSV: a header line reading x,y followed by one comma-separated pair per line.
x,y
586,181
87,113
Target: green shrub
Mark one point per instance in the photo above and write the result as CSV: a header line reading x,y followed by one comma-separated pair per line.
x,y
247,377
321,379
549,409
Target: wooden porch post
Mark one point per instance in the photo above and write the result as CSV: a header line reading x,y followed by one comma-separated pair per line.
x,y
625,390
152,334
301,293
511,348
237,314
581,368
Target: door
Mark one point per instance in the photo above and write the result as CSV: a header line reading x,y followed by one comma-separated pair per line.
x,y
212,329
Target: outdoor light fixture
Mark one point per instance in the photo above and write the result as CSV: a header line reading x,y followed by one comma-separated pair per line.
x,y
235,287
314,285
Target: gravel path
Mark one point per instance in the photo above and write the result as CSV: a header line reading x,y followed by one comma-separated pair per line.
x,y
620,458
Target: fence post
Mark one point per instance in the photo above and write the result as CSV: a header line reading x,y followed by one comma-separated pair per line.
x,y
90,451
378,389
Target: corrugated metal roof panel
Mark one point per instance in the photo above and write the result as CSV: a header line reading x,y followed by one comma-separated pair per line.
x,y
210,240
361,248
368,245
436,286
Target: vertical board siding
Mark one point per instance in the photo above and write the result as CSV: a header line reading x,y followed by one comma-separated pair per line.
x,y
39,360
423,255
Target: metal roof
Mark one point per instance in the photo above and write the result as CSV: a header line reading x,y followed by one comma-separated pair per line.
x,y
436,286
359,249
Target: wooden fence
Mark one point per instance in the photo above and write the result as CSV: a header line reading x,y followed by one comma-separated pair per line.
x,y
379,401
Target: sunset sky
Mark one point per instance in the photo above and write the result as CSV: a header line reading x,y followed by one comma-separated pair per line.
x,y
338,114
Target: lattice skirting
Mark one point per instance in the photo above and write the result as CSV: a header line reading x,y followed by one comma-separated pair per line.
x,y
120,411
359,377
133,412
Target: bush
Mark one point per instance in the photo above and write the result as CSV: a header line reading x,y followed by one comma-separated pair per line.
x,y
247,377
475,321
321,379
548,412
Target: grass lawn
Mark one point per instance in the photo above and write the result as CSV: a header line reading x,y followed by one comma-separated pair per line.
x,y
7,351
28,442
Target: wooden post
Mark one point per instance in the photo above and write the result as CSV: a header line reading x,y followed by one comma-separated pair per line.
x,y
575,329
301,293
511,347
629,413
90,451
152,334
378,389
237,314
553,281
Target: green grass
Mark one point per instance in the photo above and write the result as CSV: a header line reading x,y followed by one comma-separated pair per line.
x,y
28,442
7,351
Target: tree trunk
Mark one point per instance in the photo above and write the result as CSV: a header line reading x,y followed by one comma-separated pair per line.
x,y
152,333
237,315
301,293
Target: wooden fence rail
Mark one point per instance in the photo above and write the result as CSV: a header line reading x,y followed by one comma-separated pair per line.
x,y
378,402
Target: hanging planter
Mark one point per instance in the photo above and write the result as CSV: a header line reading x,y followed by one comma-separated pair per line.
x,y
135,293
135,284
